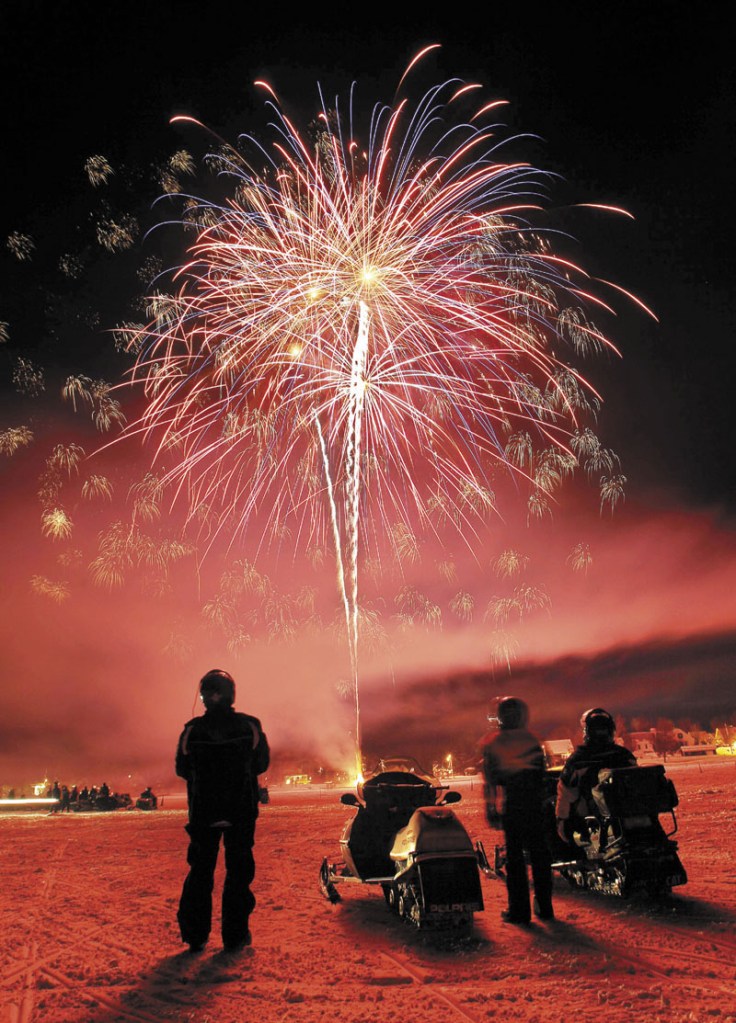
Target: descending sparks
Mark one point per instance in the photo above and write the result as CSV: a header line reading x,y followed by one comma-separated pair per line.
x,y
56,591
580,559
116,232
97,486
28,378
98,170
56,524
510,563
21,245
13,438
106,411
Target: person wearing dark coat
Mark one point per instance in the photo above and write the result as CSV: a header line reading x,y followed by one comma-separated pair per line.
x,y
580,773
220,755
513,768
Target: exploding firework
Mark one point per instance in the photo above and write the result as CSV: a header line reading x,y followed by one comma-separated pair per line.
x,y
21,245
13,438
580,559
28,378
56,524
116,232
97,486
368,339
56,591
510,563
106,410
98,170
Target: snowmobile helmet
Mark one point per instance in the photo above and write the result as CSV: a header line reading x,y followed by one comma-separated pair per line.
x,y
512,713
217,689
597,725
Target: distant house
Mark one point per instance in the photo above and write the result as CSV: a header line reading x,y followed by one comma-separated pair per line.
x,y
642,742
703,738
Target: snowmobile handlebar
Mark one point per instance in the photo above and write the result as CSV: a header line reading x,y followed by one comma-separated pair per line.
x,y
350,799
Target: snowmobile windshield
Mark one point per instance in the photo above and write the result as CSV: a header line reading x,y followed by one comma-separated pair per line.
x,y
401,765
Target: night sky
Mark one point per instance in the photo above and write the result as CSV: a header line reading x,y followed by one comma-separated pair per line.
x,y
629,105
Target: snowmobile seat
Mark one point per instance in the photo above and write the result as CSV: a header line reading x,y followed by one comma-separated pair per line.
x,y
634,792
432,831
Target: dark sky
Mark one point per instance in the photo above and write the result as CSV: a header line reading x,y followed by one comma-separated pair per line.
x,y
633,105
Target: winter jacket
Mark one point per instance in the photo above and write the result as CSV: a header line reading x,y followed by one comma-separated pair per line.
x,y
513,761
221,754
580,774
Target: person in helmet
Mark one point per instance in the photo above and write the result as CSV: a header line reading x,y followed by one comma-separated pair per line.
x,y
513,768
220,754
580,773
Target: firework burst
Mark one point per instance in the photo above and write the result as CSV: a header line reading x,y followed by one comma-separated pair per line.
x,y
13,438
367,336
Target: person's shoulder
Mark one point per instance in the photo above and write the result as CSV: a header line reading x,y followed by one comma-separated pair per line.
x,y
529,737
247,723
249,718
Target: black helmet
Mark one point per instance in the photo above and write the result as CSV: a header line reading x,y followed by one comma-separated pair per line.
x,y
512,712
597,725
217,689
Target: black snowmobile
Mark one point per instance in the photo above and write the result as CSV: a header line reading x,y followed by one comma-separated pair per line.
x,y
621,847
405,838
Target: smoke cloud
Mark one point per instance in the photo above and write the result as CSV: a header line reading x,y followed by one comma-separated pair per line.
x,y
100,685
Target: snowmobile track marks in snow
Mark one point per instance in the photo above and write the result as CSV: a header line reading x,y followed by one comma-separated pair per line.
x,y
107,949
419,978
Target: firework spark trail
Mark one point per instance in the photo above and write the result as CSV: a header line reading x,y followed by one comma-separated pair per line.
x,y
355,426
394,297
336,537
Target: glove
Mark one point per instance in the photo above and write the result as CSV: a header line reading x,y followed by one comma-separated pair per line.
x,y
493,817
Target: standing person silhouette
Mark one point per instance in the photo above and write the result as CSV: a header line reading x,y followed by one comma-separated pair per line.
x,y
513,767
220,754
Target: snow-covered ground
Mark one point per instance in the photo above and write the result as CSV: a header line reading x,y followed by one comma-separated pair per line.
x,y
88,931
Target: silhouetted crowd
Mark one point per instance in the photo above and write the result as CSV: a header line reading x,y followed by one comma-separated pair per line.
x,y
87,798
94,798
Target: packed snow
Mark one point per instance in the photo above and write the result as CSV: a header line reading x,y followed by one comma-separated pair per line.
x,y
89,930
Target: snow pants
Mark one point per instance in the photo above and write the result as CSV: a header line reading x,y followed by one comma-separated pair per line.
x,y
195,905
521,835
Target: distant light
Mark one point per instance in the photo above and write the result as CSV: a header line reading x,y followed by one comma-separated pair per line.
x,y
29,802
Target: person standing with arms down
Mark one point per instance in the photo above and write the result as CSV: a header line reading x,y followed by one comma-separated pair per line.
x,y
220,754
513,767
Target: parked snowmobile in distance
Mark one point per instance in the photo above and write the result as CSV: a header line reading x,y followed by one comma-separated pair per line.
x,y
405,838
622,847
